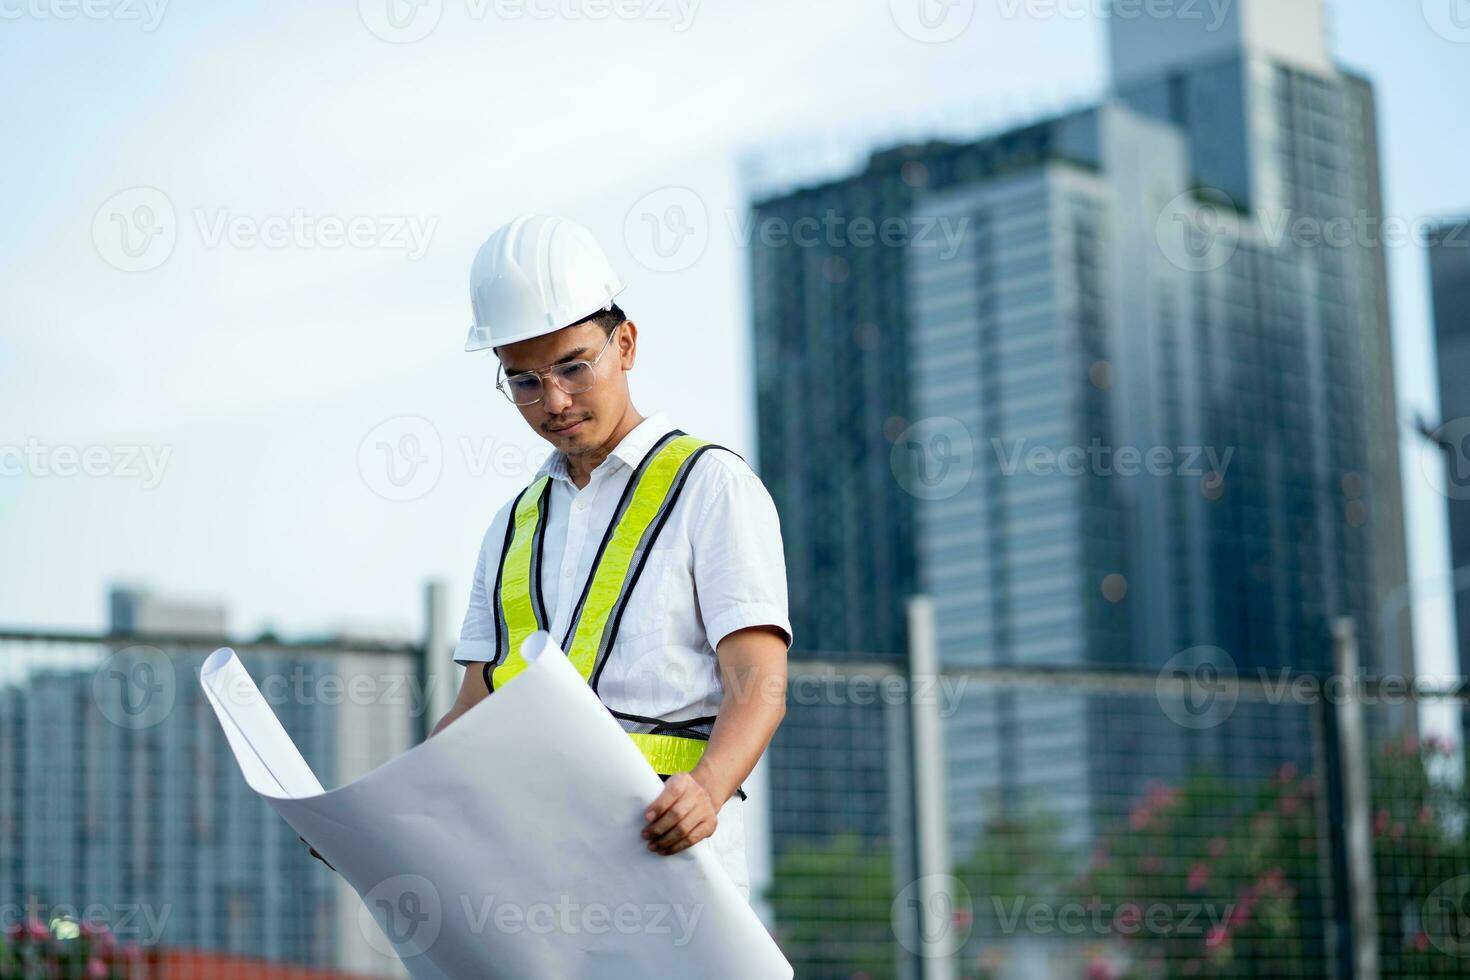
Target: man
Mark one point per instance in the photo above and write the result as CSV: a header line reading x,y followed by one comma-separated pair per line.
x,y
658,556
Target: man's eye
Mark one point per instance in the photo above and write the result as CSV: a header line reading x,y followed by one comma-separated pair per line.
x,y
572,372
525,382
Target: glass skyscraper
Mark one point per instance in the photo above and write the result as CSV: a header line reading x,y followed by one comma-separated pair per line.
x,y
1449,268
1110,399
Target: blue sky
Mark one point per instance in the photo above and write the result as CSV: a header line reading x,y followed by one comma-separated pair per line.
x,y
263,379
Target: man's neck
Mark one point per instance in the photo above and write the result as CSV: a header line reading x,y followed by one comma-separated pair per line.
x,y
580,466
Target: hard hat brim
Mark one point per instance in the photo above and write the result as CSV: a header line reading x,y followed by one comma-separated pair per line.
x,y
479,337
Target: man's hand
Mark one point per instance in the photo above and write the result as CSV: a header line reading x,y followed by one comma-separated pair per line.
x,y
682,815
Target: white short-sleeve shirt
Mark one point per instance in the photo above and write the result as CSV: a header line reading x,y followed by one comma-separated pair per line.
x,y
717,566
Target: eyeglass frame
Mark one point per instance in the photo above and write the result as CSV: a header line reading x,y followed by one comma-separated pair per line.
x,y
544,373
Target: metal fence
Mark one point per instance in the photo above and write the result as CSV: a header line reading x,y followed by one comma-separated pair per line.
x,y
979,823
130,846
1183,822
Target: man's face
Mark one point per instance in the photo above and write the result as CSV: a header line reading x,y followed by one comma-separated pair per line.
x,y
582,422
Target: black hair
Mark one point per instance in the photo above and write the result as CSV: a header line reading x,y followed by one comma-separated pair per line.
x,y
609,319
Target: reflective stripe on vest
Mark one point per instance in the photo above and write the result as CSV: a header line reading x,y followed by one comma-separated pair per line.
x,y
642,511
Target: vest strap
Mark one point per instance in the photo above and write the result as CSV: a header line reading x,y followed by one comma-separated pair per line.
x,y
641,514
669,754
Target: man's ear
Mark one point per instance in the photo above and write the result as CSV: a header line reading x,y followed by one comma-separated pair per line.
x,y
628,349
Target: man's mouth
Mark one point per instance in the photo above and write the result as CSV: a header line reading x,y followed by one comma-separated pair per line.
x,y
569,429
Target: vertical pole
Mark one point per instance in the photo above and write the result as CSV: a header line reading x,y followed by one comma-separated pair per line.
x,y
931,818
1357,804
432,669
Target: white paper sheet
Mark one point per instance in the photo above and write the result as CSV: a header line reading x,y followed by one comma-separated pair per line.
x,y
508,845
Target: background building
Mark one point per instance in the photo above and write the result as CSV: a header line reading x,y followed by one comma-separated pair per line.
x,y
1449,268
1135,277
118,789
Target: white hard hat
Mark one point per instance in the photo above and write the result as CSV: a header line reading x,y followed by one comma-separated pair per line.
x,y
535,275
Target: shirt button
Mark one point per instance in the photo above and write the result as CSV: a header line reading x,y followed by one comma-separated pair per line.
x,y
567,573
581,505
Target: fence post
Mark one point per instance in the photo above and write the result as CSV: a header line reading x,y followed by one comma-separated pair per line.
x,y
432,666
1348,810
931,818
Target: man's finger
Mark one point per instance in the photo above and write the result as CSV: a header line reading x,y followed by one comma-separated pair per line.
x,y
665,800
687,838
676,812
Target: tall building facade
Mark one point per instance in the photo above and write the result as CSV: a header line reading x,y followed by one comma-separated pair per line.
x,y
1107,402
1449,269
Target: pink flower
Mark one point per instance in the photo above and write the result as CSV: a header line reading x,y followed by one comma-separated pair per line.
x,y
1380,821
96,969
1421,941
1426,815
1285,774
36,929
1218,847
1128,916
1199,876
1271,880
1098,969
1217,937
1290,804
1162,796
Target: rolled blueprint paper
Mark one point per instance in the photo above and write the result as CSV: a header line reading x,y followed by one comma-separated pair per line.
x,y
510,844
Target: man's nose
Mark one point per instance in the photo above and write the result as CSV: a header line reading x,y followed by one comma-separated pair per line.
x,y
557,401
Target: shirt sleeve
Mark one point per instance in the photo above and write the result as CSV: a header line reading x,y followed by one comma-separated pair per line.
x,y
477,641
739,564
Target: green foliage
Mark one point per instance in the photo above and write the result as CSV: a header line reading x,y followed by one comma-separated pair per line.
x,y
64,949
832,900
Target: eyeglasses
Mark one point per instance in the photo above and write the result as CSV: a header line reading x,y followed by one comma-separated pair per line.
x,y
573,377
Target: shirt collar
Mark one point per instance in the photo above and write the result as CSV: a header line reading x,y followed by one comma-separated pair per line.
x,y
630,451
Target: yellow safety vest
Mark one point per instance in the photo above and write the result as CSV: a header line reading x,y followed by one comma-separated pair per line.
x,y
642,511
